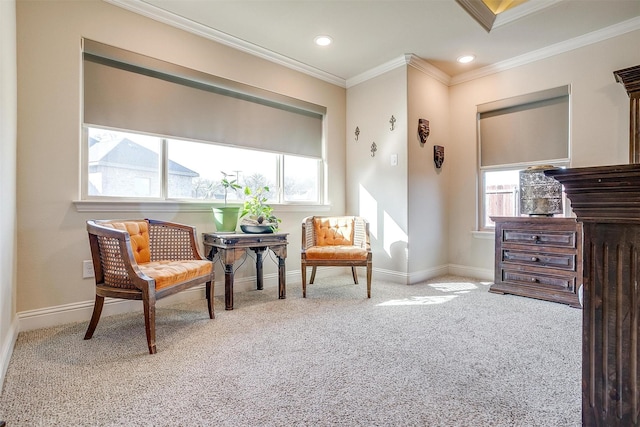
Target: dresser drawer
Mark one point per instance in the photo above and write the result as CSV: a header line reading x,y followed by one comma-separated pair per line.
x,y
565,239
562,261
563,283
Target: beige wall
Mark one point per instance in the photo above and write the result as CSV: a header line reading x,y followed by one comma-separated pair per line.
x,y
405,204
51,232
8,122
599,128
52,240
428,186
375,189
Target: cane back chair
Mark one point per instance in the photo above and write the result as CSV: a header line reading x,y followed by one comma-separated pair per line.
x,y
146,260
337,241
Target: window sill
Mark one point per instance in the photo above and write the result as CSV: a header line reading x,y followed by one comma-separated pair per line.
x,y
486,235
175,206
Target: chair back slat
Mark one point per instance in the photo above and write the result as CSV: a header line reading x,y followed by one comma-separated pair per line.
x,y
170,243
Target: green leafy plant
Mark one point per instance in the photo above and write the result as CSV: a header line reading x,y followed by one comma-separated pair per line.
x,y
229,184
256,210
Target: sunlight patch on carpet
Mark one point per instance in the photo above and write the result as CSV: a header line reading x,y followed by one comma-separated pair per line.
x,y
419,300
457,287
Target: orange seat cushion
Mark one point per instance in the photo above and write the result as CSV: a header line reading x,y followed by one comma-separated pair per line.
x,y
168,273
336,253
333,231
139,236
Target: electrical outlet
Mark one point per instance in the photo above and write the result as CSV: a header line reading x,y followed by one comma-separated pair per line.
x,y
87,269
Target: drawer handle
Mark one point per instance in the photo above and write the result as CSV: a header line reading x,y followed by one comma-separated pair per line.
x,y
533,280
535,238
534,258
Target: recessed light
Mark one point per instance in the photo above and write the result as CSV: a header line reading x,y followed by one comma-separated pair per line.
x,y
464,59
323,40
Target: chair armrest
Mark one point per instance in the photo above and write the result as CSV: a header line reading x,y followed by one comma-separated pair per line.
x,y
361,233
173,241
113,261
307,233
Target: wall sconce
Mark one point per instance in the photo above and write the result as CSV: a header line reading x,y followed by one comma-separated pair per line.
x,y
392,120
540,195
374,148
357,132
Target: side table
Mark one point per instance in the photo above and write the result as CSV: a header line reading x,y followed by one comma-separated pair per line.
x,y
232,246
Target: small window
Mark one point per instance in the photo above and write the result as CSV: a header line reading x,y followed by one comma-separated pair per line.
x,y
514,134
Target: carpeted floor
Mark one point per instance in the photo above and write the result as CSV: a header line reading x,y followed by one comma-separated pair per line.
x,y
441,353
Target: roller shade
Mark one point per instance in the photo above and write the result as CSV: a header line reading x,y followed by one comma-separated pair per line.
x,y
525,129
125,90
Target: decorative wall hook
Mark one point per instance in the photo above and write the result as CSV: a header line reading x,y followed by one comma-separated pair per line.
x,y
374,148
357,132
393,122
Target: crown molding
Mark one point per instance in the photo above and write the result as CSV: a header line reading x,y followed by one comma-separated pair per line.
x,y
161,15
430,70
376,71
524,9
556,49
406,59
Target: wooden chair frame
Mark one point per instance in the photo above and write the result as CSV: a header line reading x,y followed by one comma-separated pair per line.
x,y
118,275
361,231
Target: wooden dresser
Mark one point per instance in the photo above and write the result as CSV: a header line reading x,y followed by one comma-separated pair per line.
x,y
538,257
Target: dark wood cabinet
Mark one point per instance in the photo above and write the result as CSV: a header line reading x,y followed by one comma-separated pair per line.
x,y
607,201
538,257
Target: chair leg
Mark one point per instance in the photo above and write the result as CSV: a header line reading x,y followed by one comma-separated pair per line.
x,y
95,317
369,268
313,275
150,322
304,280
209,290
355,275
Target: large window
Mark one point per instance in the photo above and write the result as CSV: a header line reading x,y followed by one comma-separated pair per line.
x,y
133,165
514,134
205,127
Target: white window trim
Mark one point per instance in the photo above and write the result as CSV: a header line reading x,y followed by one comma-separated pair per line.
x,y
177,206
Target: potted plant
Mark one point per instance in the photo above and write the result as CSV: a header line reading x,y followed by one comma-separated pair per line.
x,y
226,218
257,215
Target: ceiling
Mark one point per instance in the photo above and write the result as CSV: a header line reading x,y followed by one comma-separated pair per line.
x,y
369,34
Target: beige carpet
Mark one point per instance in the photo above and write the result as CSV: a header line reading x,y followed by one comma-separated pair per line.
x,y
442,353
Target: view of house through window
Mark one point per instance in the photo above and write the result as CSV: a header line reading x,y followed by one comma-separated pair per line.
x,y
131,165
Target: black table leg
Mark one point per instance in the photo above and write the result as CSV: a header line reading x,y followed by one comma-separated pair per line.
x,y
282,277
259,274
228,286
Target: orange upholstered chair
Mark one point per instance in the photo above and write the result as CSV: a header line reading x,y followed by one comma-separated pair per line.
x,y
337,241
145,260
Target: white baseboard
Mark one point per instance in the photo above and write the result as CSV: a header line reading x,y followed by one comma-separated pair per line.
x,y
421,276
475,272
81,311
7,350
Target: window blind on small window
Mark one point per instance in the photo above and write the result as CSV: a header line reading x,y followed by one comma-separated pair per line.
x,y
525,129
129,91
